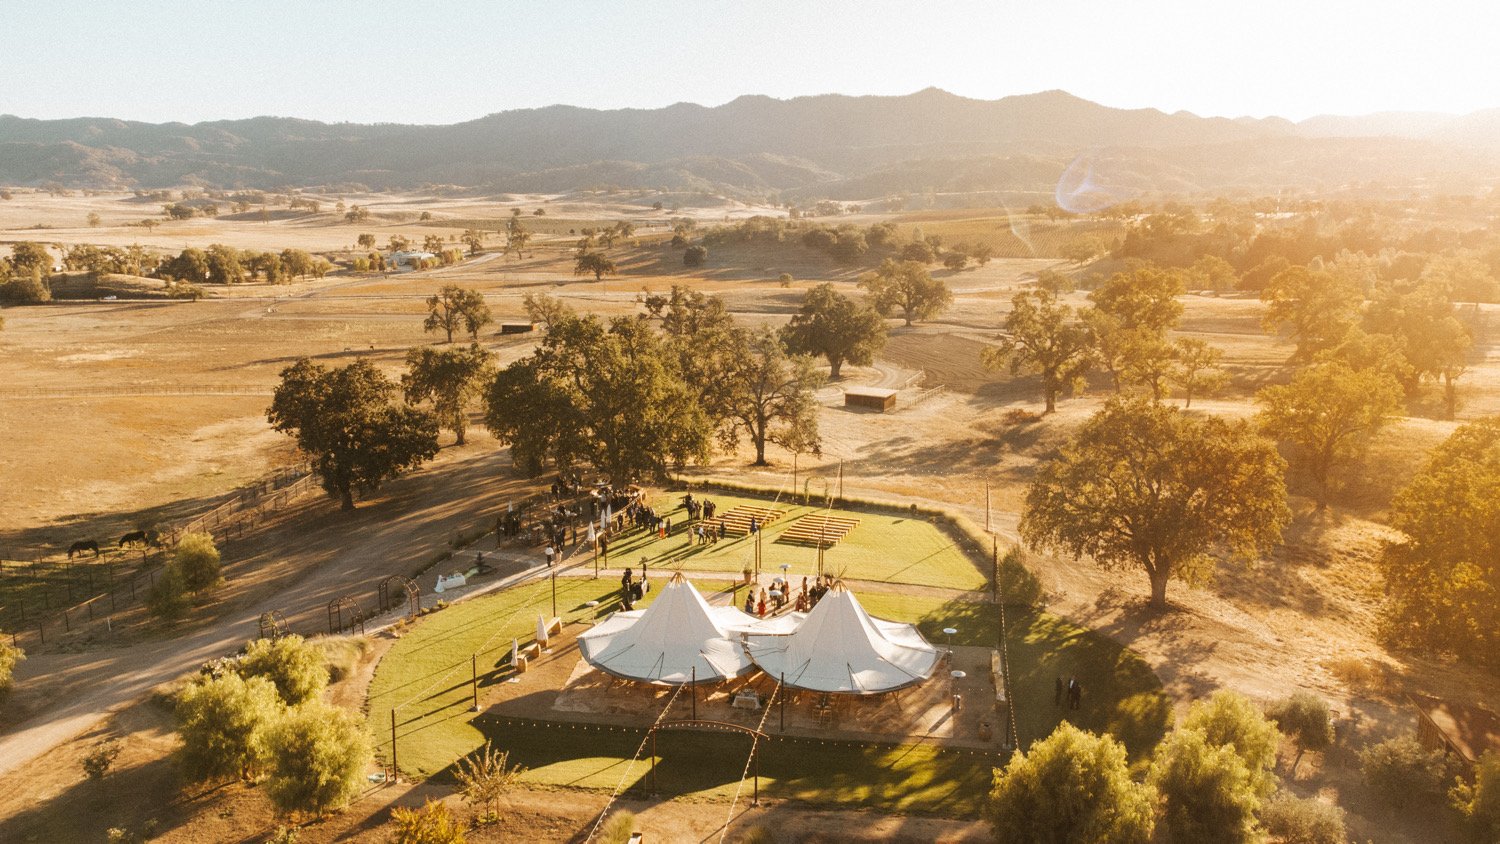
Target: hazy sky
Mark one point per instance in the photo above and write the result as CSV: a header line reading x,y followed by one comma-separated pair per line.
x,y
433,61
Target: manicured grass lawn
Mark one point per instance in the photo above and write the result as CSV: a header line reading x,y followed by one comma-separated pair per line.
x,y
426,675
1121,694
700,765
896,549
428,671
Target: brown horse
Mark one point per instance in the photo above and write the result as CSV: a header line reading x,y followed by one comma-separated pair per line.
x,y
82,545
135,537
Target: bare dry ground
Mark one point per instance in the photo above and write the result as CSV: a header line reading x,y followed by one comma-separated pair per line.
x,y
106,430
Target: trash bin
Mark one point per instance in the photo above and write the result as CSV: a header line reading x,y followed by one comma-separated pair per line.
x,y
986,732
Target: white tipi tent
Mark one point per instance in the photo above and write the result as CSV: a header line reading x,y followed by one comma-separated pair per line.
x,y
665,642
839,647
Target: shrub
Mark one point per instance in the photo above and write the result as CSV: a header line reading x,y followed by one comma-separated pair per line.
x,y
169,599
184,290
785,279
431,824
1019,586
485,775
1294,821
1229,719
297,668
1304,719
1404,772
1479,802
955,261
695,256
197,559
1075,785
618,828
1021,416
9,656
223,725
756,835
98,761
318,758
25,289
1208,793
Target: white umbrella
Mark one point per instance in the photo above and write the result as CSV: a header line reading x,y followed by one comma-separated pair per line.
x,y
541,630
593,537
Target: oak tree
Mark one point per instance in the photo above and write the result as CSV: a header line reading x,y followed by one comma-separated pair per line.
x,y
835,327
1443,580
1142,485
1041,337
343,419
454,308
1328,413
905,287
451,379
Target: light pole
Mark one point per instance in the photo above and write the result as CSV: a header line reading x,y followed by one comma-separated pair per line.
x,y
950,631
757,553
554,592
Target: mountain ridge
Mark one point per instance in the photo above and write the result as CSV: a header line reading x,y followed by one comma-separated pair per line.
x,y
755,145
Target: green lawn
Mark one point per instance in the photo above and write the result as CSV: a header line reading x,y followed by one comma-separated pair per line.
x,y
1122,695
428,671
895,549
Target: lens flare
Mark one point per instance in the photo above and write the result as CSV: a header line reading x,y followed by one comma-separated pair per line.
x,y
1084,189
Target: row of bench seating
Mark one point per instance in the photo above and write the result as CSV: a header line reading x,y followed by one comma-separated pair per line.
x,y
737,521
818,529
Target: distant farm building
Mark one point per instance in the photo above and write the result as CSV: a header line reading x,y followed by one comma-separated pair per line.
x,y
517,327
402,259
1463,732
872,398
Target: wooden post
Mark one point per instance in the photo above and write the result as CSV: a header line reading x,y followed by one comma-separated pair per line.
x,y
995,565
694,690
986,505
653,761
395,768
841,479
755,766
474,678
781,690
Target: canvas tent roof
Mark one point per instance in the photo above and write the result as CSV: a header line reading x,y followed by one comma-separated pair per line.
x,y
665,642
838,647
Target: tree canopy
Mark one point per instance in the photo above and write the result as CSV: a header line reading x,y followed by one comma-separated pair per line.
x,y
223,723
318,758
451,379
905,287
835,327
1315,308
1328,413
454,308
1041,337
1443,580
344,421
772,400
596,263
1142,485
1208,794
1072,787
607,395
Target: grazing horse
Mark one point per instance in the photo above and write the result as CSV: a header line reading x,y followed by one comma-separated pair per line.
x,y
81,546
135,537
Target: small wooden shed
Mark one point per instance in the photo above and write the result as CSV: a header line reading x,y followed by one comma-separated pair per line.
x,y
1464,732
517,327
872,398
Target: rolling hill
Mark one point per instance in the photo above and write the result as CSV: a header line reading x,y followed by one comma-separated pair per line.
x,y
807,147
